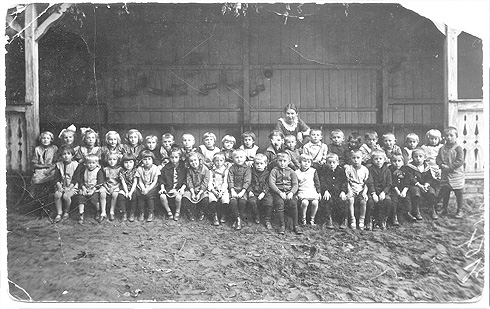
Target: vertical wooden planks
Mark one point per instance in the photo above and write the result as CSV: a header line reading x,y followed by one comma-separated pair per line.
x,y
275,42
319,91
408,114
417,114
298,88
427,114
398,114
327,102
285,85
310,92
276,86
334,86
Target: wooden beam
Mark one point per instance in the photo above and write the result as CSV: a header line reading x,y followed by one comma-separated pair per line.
x,y
246,69
384,88
44,27
32,80
450,75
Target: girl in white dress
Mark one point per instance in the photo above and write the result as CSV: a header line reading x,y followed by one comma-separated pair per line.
x,y
309,188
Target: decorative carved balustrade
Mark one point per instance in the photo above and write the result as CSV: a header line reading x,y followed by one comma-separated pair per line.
x,y
467,117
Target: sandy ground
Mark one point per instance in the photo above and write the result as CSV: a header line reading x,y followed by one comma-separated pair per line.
x,y
428,261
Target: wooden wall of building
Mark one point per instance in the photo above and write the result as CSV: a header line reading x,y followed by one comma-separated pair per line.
x,y
368,67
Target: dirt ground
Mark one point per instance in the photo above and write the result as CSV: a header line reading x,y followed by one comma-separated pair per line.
x,y
428,261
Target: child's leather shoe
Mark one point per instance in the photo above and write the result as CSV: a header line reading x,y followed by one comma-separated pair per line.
x,y
343,225
297,230
329,224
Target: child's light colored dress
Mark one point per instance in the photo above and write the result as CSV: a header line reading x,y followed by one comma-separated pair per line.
x,y
218,181
83,152
43,155
308,184
112,179
250,153
356,178
431,155
208,155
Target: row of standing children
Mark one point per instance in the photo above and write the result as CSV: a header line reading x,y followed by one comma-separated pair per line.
x,y
339,176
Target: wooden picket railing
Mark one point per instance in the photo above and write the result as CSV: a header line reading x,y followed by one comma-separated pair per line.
x,y
467,117
16,137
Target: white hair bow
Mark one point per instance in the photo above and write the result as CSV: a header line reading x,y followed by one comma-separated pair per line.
x,y
70,128
83,130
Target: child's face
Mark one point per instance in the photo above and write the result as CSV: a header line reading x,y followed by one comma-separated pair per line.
x,y
239,158
166,143
174,158
397,162
112,161
337,139
316,137
151,144
356,159
133,139
290,143
45,140
354,143
332,164
66,156
147,161
305,164
90,139
434,140
389,142
378,161
451,137
129,164
248,142
91,165
68,138
418,158
371,141
111,141
188,142
276,142
412,143
194,162
260,165
219,161
283,162
209,142
228,145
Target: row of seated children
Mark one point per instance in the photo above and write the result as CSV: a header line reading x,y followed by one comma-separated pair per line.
x,y
99,182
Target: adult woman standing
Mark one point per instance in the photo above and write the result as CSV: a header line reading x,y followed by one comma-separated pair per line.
x,y
291,124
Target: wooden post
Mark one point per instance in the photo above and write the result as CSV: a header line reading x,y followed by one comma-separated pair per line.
x,y
384,88
246,69
32,79
450,76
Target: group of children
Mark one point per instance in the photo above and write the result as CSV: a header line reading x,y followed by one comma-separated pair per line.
x,y
361,181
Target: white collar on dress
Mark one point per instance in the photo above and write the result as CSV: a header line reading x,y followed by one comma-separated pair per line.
x,y
289,127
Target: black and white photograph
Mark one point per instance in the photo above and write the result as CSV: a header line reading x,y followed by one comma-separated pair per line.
x,y
270,154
